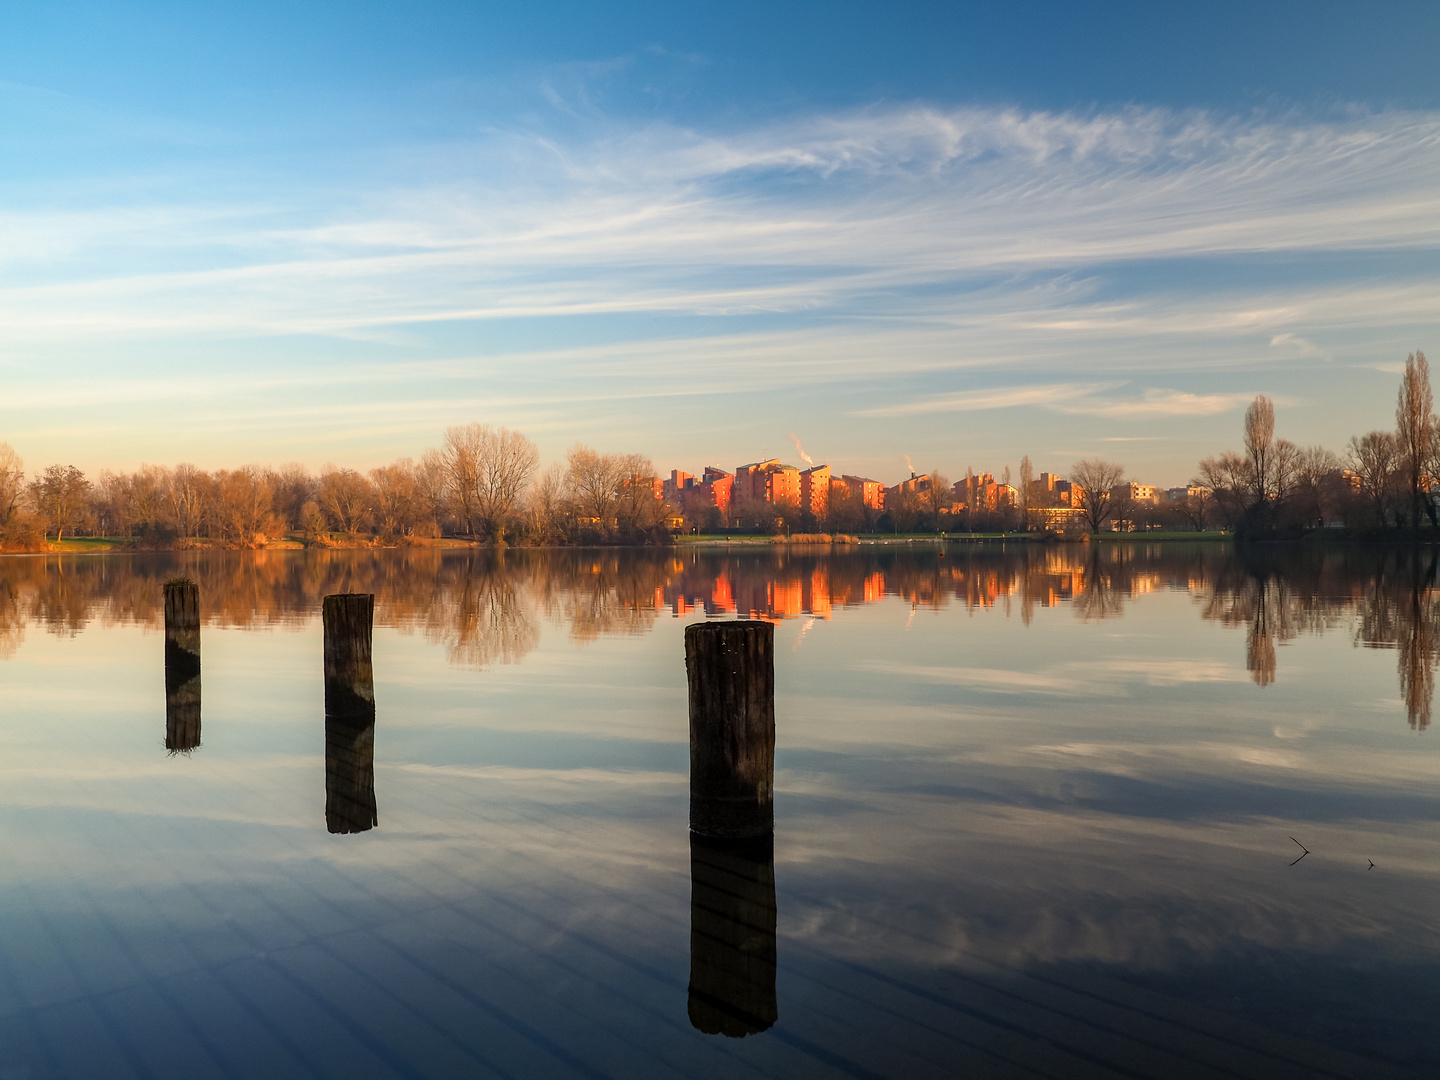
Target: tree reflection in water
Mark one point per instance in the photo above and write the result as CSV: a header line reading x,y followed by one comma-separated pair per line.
x,y
486,607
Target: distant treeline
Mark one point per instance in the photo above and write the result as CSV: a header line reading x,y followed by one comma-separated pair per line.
x,y
482,484
1385,482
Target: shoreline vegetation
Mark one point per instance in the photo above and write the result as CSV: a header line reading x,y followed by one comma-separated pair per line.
x,y
484,486
122,545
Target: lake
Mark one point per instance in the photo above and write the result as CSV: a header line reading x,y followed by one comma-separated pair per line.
x,y
1039,811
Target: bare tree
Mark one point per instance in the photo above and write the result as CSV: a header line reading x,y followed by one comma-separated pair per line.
x,y
1317,490
1415,431
1096,480
507,466
399,500
111,502
1376,461
461,455
1027,491
970,492
432,480
639,505
12,482
936,500
549,506
187,497
293,487
1225,477
347,498
147,497
62,496
240,511
594,487
489,470
1195,506
1259,444
903,508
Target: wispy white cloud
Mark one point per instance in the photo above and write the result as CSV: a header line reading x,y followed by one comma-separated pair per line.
x,y
1080,399
810,214
825,252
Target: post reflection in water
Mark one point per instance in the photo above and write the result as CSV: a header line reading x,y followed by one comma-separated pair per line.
x,y
182,666
730,667
349,714
486,607
732,935
349,776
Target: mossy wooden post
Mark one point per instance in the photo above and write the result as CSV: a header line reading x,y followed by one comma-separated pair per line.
x,y
182,665
732,936
349,713
731,669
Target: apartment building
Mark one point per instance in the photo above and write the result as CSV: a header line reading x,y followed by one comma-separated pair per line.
x,y
1136,493
871,493
690,493
914,485
815,490
767,481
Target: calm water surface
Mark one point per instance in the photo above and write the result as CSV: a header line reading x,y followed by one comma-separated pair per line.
x,y
1034,812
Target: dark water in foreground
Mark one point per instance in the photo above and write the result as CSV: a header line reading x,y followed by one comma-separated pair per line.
x,y
1033,818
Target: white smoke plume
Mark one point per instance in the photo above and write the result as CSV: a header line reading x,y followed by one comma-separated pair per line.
x,y
801,450
908,465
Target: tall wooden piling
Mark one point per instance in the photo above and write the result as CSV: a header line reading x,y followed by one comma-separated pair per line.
x,y
349,713
349,674
182,665
731,670
732,936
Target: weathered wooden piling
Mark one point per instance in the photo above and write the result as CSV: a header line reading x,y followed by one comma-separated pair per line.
x,y
732,936
731,670
349,674
349,776
182,665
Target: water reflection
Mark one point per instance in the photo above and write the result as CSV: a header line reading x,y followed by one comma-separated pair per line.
x,y
349,776
732,936
349,714
1389,596
182,666
486,607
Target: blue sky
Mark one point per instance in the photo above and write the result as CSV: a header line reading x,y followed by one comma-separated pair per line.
x,y
954,233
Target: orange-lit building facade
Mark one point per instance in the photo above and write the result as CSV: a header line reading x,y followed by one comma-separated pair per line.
x,y
691,493
871,493
815,490
767,481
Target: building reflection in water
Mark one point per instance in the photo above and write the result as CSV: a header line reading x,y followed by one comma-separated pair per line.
x,y
485,608
732,935
182,666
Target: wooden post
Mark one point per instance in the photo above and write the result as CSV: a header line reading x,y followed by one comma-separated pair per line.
x,y
349,713
732,936
349,777
182,665
349,675
731,669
